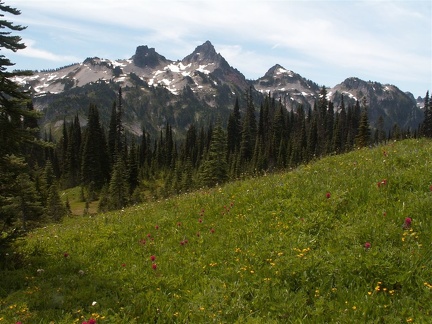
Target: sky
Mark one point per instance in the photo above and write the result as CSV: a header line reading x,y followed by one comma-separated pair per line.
x,y
324,41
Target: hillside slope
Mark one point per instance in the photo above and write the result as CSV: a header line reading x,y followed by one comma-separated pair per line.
x,y
327,242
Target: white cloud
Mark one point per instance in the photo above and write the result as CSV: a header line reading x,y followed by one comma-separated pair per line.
x,y
33,52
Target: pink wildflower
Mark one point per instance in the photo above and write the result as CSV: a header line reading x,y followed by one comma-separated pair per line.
x,y
407,223
328,195
367,245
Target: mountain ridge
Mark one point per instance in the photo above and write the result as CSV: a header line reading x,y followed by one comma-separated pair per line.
x,y
205,78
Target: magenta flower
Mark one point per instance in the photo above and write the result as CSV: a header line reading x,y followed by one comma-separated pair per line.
x,y
200,220
66,254
407,223
367,245
328,195
152,258
212,230
157,227
154,266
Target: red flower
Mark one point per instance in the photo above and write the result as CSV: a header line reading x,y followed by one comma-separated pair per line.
x,y
179,224
328,195
407,223
91,321
66,254
152,258
200,220
149,235
182,243
367,245
154,266
142,241
123,265
198,234
212,230
430,187
157,227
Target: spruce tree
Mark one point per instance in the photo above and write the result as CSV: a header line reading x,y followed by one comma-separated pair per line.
x,y
95,162
55,208
13,112
234,129
363,134
118,191
215,166
426,127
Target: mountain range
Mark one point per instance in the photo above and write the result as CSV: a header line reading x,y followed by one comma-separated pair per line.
x,y
197,89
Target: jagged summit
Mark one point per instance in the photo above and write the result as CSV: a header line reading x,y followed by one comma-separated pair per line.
x,y
205,52
147,57
202,83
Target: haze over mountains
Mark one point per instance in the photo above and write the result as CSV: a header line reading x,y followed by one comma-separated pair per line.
x,y
197,89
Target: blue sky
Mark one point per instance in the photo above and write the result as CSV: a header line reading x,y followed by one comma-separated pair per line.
x,y
324,41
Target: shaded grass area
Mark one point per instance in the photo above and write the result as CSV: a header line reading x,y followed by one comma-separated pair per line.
x,y
323,243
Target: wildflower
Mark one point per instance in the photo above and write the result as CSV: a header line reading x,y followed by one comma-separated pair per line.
x,y
40,270
430,187
66,254
198,234
81,272
157,227
328,195
154,266
367,245
94,303
179,224
142,241
149,235
123,265
212,230
200,220
152,258
407,223
182,243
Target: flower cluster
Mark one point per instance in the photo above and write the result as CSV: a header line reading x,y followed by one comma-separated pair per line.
x,y
301,253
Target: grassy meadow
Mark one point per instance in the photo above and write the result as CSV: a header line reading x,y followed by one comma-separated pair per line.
x,y
329,242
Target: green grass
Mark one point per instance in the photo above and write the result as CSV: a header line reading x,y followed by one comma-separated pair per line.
x,y
269,250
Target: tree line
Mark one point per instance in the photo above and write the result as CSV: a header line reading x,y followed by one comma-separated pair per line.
x,y
119,169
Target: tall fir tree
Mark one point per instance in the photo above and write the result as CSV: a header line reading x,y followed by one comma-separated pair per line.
x,y
215,166
13,111
363,135
426,127
95,162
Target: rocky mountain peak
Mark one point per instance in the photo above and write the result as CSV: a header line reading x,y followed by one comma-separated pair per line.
x,y
203,53
147,57
279,71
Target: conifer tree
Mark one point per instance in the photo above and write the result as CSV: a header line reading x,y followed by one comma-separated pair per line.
x,y
363,134
25,205
95,162
13,111
55,208
249,130
118,191
215,166
234,129
426,127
